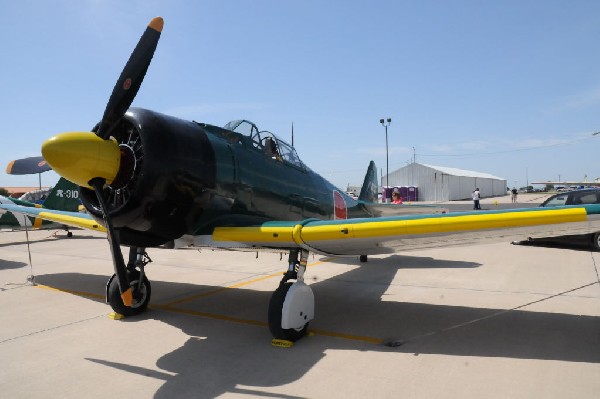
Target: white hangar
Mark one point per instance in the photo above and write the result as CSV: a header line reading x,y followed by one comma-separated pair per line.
x,y
437,183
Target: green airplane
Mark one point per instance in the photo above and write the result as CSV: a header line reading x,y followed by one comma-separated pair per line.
x,y
64,196
155,180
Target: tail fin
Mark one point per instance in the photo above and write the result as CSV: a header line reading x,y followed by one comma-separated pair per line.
x,y
368,193
63,197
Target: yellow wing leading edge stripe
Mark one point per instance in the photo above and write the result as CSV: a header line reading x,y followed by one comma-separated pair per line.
x,y
443,225
72,221
322,231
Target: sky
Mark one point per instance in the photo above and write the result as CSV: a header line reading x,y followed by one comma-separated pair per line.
x,y
510,88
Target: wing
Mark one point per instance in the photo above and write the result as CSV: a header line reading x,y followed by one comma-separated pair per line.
x,y
391,234
73,219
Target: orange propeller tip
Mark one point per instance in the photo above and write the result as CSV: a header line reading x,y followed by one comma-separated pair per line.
x,y
10,166
156,24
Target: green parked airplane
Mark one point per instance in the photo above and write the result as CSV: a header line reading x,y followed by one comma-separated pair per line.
x,y
64,196
154,180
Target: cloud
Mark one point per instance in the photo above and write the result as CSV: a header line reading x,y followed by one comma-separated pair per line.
x,y
380,151
475,145
466,147
538,143
584,99
499,146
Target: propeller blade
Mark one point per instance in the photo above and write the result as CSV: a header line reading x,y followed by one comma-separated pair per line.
x,y
115,248
131,78
27,166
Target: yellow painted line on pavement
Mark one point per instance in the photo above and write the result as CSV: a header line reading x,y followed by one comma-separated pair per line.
x,y
216,316
238,285
204,294
78,293
363,338
207,315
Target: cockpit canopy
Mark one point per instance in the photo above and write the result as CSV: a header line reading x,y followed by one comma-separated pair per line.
x,y
266,142
242,126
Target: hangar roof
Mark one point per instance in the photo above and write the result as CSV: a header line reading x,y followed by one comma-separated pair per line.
x,y
462,172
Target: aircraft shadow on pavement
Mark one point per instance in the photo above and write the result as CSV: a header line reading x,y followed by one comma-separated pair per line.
x,y
220,356
574,243
406,262
9,264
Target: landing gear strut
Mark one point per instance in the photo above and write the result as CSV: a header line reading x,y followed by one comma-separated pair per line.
x,y
138,259
292,305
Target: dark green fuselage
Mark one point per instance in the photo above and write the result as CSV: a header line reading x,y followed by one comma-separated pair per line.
x,y
192,177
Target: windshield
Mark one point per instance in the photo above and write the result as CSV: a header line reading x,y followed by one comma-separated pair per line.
x,y
266,142
242,126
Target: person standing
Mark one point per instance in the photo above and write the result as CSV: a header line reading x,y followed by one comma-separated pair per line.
x,y
514,194
476,198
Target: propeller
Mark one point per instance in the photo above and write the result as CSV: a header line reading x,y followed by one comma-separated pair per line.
x,y
92,161
131,78
27,166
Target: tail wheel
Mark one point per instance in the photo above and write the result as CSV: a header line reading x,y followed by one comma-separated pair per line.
x,y
275,309
141,294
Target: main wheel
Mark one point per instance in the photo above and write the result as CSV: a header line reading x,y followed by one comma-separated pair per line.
x,y
275,309
141,296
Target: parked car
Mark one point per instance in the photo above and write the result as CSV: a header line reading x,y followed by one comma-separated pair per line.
x,y
578,197
575,197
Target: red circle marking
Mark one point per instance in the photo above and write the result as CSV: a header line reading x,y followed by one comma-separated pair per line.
x,y
340,211
127,84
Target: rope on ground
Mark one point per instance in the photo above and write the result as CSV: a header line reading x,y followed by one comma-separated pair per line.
x,y
595,267
495,314
31,277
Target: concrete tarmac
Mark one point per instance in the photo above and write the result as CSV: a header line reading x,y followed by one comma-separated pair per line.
x,y
486,321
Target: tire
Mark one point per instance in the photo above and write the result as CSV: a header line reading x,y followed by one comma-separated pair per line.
x,y
595,241
141,298
275,309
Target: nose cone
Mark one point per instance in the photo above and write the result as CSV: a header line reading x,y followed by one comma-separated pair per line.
x,y
82,156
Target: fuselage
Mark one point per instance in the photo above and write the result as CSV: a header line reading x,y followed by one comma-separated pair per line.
x,y
189,177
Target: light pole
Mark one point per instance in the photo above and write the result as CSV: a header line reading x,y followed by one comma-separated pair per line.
x,y
385,123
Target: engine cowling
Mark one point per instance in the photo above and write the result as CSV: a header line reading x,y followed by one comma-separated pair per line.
x,y
164,182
